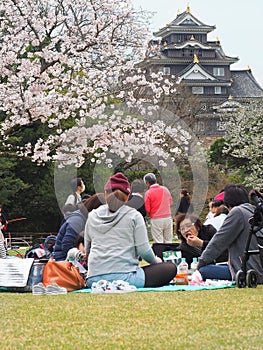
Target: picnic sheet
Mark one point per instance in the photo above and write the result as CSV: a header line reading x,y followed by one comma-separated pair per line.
x,y
170,288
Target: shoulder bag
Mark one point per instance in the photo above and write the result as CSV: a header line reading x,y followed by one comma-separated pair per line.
x,y
64,273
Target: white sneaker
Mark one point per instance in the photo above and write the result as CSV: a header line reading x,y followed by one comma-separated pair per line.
x,y
54,289
120,286
100,287
38,289
106,287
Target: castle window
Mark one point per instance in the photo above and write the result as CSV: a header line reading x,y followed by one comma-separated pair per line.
x,y
218,71
198,90
166,70
218,90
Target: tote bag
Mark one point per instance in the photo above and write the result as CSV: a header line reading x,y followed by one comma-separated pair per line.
x,y
64,273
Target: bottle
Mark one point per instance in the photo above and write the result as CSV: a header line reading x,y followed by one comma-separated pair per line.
x,y
193,266
182,270
172,257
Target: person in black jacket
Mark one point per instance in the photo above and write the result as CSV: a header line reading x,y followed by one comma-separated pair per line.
x,y
136,199
185,204
195,237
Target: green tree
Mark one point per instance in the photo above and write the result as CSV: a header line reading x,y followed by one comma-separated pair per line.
x,y
11,185
218,158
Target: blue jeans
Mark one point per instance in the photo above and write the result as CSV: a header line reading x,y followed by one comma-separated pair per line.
x,y
136,278
215,272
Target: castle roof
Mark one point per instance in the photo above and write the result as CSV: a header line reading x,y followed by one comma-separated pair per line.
x,y
185,22
244,84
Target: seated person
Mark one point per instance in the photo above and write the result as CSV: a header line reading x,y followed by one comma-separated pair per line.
x,y
73,225
195,237
220,213
233,236
115,237
210,213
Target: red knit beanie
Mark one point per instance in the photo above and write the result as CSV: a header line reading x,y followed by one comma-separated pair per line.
x,y
118,182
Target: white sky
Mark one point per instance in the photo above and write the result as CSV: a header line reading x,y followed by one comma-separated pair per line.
x,y
239,26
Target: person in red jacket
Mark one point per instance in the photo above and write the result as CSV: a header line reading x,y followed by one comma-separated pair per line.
x,y
158,201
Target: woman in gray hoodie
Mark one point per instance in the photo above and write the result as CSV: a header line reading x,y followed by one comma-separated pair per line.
x,y
232,235
115,238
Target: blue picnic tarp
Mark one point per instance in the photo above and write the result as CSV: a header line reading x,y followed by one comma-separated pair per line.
x,y
172,288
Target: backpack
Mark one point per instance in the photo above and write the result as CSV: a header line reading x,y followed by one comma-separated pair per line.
x,y
43,250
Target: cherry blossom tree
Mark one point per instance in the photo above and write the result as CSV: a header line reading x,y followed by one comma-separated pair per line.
x,y
68,65
69,72
244,142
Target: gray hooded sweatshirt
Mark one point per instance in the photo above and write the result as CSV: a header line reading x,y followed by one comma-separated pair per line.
x,y
114,241
233,235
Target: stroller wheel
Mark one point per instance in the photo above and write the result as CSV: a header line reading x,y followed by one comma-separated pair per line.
x,y
241,279
252,279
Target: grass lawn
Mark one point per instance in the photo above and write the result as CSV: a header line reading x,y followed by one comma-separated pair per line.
x,y
210,319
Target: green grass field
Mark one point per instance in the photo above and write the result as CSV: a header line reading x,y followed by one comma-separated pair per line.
x,y
210,319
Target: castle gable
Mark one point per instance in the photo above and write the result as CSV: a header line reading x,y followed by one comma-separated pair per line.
x,y
189,20
195,72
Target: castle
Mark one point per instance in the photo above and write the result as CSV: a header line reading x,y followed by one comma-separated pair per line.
x,y
202,67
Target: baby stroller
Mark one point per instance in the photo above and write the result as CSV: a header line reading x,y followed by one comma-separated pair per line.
x,y
246,277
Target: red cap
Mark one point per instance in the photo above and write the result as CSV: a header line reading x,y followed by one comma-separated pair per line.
x,y
118,182
220,197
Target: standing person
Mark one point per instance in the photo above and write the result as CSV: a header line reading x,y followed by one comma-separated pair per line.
x,y
2,247
158,201
136,199
232,235
77,186
185,204
3,223
115,238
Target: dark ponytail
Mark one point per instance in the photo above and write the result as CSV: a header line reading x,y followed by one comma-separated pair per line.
x,y
116,199
91,203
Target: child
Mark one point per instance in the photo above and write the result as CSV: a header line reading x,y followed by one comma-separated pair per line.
x,y
78,256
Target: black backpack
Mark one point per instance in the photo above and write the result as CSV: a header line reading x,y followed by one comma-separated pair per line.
x,y
42,251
